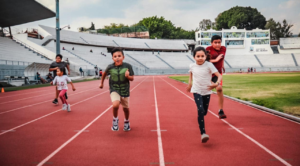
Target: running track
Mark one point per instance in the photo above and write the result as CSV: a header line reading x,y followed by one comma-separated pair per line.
x,y
165,131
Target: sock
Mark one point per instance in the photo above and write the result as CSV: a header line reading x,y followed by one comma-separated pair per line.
x,y
126,120
116,118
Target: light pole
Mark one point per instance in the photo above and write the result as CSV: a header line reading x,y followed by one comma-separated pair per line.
x,y
57,29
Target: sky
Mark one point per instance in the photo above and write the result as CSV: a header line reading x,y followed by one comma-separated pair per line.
x,y
183,13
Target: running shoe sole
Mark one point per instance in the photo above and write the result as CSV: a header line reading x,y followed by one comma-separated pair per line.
x,y
222,116
204,140
114,129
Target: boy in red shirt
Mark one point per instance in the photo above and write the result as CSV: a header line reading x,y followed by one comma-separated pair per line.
x,y
217,54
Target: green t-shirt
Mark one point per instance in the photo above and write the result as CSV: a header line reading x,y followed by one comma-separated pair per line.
x,y
117,81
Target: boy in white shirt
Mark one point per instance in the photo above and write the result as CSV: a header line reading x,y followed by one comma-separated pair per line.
x,y
61,82
200,75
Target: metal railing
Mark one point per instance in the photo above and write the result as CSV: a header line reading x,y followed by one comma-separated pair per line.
x,y
9,62
31,48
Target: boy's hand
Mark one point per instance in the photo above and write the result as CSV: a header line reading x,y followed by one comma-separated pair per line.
x,y
188,88
73,88
219,57
223,69
101,86
212,86
127,74
51,83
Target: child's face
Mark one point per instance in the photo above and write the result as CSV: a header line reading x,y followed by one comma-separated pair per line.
x,y
200,57
59,73
216,44
58,59
118,58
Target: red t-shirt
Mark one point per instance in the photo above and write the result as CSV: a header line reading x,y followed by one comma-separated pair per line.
x,y
214,54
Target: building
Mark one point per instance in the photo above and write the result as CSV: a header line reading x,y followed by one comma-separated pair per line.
x,y
238,41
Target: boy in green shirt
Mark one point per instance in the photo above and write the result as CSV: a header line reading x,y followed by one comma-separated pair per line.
x,y
120,75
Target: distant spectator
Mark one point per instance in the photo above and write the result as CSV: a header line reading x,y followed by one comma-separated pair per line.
x,y
73,48
49,77
81,72
96,70
240,70
158,52
254,70
152,52
67,61
63,48
91,51
248,71
100,73
251,69
38,77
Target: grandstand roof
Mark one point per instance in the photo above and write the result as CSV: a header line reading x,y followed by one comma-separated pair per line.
x,y
15,12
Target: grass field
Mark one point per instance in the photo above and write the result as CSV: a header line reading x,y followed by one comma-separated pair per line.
x,y
279,91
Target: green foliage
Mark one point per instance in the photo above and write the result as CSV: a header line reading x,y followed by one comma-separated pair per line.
x,y
207,24
279,30
161,28
241,17
264,103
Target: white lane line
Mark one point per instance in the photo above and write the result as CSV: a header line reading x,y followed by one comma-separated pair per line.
x,y
77,134
50,114
24,92
160,146
40,102
239,131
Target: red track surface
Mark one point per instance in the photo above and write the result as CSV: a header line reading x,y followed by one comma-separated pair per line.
x,y
43,134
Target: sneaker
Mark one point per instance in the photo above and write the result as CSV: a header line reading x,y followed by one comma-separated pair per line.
x,y
204,138
66,95
126,126
64,107
55,101
222,114
115,126
68,107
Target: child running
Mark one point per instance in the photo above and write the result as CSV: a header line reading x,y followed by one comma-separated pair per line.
x,y
120,75
200,85
62,86
217,55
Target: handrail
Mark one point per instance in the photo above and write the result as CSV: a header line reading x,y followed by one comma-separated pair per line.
x,y
26,45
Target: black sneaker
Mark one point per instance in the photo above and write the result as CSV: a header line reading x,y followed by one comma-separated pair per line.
x,y
66,95
55,101
222,114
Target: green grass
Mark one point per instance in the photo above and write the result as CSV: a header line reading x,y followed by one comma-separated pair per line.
x,y
9,89
279,91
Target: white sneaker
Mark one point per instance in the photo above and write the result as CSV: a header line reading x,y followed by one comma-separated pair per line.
x,y
115,126
64,107
126,126
204,138
68,107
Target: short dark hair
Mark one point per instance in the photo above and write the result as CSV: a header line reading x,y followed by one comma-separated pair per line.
x,y
59,56
116,49
201,49
215,37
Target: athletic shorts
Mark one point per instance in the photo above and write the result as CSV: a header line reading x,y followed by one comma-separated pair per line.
x,y
215,79
114,96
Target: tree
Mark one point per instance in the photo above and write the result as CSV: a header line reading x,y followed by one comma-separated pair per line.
x,y
92,27
278,30
206,24
161,28
241,17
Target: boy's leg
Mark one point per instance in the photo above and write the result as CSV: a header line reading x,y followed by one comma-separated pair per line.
x,y
115,98
220,96
55,101
125,104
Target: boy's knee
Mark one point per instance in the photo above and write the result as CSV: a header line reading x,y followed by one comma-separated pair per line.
x,y
126,109
219,89
116,104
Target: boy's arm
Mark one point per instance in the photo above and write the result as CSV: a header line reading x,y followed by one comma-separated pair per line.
x,y
68,67
217,59
102,80
128,76
188,88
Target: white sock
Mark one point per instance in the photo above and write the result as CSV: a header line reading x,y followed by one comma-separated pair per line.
x,y
126,120
116,118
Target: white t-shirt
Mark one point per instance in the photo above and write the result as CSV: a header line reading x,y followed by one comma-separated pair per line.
x,y
202,77
61,82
